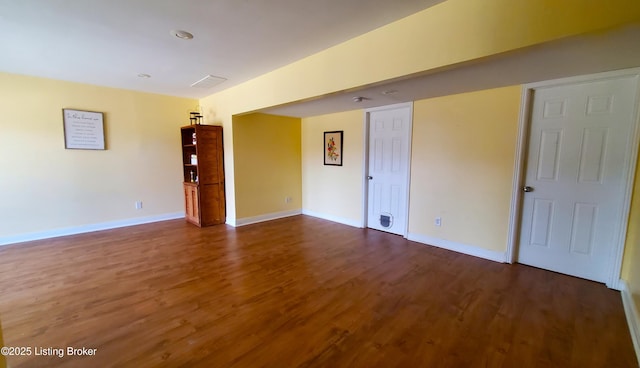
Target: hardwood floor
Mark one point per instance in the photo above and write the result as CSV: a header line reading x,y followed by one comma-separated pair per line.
x,y
296,292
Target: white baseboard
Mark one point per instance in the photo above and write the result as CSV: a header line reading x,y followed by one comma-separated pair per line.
x,y
261,218
12,239
337,219
633,320
491,255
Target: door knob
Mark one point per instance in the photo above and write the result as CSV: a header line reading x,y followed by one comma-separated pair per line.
x,y
370,177
527,189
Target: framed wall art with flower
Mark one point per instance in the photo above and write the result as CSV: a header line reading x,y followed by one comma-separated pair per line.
x,y
333,148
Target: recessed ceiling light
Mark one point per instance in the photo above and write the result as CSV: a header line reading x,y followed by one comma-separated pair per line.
x,y
144,75
389,92
183,35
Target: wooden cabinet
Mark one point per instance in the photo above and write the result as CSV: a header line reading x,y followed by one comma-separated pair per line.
x,y
203,174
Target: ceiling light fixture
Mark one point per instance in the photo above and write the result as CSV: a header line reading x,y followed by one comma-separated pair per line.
x,y
389,92
359,99
144,75
183,35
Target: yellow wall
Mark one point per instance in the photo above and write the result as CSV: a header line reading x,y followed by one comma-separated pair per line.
x,y
462,166
46,187
449,33
631,263
333,191
267,164
463,152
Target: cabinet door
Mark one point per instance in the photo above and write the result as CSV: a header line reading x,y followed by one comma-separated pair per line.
x,y
212,204
191,206
210,165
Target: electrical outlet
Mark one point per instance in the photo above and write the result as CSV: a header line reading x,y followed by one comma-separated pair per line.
x,y
288,199
438,221
138,205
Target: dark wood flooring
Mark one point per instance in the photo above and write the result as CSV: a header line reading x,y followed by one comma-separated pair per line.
x,y
296,292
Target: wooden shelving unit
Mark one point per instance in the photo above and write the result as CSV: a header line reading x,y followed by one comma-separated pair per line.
x,y
203,174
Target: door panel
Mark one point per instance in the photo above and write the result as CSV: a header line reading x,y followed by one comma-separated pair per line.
x,y
550,142
594,145
388,168
541,221
584,223
579,145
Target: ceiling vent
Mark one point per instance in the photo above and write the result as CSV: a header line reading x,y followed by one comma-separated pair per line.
x,y
208,82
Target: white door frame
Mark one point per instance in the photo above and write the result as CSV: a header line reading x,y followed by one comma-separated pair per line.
x,y
365,161
614,263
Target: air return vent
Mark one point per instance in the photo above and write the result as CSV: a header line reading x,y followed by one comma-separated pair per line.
x,y
208,82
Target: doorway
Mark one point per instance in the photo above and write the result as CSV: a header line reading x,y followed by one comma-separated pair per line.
x,y
578,155
387,165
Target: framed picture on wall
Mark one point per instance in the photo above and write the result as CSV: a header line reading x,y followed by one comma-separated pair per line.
x,y
333,148
83,129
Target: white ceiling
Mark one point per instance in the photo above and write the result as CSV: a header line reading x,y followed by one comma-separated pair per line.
x,y
110,42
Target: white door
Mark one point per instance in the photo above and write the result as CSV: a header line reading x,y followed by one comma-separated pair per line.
x,y
388,169
577,165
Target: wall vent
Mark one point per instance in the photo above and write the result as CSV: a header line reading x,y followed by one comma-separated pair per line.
x,y
208,81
